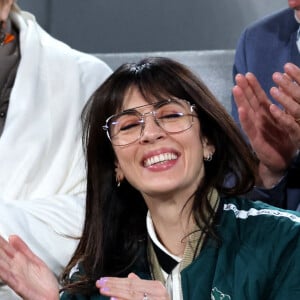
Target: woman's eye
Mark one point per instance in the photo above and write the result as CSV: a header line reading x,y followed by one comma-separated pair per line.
x,y
130,125
171,115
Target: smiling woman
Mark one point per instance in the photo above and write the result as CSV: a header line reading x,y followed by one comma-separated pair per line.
x,y
160,222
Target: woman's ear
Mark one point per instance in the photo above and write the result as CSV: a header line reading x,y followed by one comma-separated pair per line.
x,y
208,149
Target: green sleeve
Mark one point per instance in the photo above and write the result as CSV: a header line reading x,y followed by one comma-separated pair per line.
x,y
287,282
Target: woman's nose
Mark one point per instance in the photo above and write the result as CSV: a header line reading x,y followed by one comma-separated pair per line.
x,y
152,131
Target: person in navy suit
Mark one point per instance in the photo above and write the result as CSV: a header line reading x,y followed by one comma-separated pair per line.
x,y
266,103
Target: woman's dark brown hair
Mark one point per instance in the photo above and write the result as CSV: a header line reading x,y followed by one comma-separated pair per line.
x,y
115,220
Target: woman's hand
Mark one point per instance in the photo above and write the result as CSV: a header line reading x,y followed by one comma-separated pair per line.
x,y
24,272
132,288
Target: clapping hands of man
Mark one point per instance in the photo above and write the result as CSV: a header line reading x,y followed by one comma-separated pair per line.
x,y
273,133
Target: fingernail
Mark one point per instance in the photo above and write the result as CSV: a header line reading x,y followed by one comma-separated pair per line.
x,y
289,66
273,107
275,91
101,281
277,76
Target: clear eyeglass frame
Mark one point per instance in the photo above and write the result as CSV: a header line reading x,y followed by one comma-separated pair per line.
x,y
171,115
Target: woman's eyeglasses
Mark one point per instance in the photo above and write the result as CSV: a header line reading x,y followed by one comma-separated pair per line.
x,y
172,115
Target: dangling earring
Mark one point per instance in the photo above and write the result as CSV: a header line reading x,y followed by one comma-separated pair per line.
x,y
119,176
118,181
5,38
208,158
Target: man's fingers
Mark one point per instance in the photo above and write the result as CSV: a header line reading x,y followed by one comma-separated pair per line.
x,y
259,98
22,247
293,72
288,122
288,103
288,85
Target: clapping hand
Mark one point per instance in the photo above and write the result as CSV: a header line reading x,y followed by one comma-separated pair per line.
x,y
24,272
288,95
269,138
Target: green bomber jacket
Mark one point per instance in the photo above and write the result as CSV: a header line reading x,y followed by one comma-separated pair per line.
x,y
258,257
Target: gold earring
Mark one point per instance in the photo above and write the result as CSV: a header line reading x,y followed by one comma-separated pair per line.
x,y
118,180
208,157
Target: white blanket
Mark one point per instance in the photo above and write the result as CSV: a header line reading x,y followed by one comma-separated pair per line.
x,y
42,174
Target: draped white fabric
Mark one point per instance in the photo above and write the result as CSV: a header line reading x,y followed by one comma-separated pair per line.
x,y
42,173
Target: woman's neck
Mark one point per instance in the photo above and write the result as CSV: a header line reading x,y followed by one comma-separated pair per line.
x,y
172,222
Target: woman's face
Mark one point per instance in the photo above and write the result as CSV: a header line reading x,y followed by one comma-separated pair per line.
x,y
5,6
160,164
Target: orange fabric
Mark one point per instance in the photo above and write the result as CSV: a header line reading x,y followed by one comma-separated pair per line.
x,y
8,38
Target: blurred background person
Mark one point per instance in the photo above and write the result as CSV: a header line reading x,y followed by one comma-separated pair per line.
x,y
44,85
263,49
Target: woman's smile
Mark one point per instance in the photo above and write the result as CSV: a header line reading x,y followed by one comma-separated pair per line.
x,y
160,160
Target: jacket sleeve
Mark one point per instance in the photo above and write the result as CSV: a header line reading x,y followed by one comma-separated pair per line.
x,y
285,194
286,284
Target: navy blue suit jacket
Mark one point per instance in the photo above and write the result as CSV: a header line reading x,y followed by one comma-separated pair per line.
x,y
264,48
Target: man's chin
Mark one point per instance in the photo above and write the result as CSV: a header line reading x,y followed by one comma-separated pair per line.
x,y
294,4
